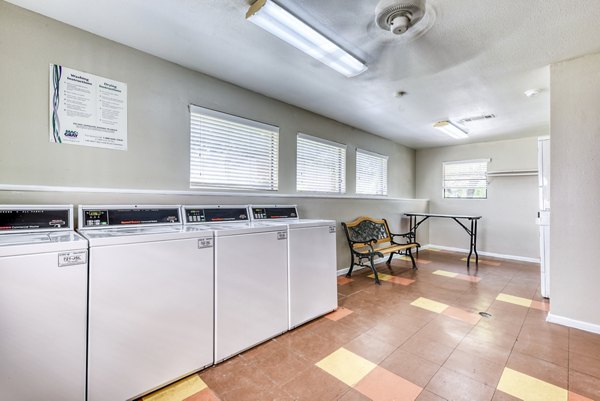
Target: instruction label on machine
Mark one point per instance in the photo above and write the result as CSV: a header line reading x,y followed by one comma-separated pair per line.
x,y
72,258
87,110
331,229
281,235
205,243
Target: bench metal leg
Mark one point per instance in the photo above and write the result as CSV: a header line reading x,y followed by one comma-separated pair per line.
x,y
349,274
390,258
412,259
374,271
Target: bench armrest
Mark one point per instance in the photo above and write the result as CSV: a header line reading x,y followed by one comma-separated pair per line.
x,y
365,243
407,236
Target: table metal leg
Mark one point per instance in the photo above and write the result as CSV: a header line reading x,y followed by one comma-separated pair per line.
x,y
475,244
470,246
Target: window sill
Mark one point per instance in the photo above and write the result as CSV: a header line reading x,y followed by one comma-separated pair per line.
x,y
266,194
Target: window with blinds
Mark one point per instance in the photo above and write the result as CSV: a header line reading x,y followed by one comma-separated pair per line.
x,y
231,152
466,179
320,165
371,173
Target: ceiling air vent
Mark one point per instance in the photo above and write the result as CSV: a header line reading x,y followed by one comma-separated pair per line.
x,y
477,118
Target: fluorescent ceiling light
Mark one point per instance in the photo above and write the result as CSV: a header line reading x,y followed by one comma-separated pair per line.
x,y
278,21
450,129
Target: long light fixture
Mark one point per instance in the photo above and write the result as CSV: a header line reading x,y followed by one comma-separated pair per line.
x,y
289,28
450,129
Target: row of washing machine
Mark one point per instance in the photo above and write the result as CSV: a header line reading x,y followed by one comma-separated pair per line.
x,y
144,295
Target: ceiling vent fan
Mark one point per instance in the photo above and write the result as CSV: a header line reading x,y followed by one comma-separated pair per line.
x,y
398,16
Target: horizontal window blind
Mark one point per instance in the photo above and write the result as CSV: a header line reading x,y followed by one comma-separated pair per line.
x,y
371,173
320,165
466,179
231,152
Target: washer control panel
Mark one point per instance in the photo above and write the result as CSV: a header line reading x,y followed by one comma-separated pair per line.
x,y
274,212
34,219
107,217
215,214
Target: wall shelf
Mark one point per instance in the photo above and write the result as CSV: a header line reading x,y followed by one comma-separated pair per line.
x,y
511,173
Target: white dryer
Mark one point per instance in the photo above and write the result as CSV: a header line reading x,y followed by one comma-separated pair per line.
x,y
312,261
150,299
43,302
250,277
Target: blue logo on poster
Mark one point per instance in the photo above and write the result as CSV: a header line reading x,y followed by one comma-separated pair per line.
x,y
71,134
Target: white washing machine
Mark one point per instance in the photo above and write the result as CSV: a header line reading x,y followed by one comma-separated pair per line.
x,y
43,304
150,299
311,262
250,278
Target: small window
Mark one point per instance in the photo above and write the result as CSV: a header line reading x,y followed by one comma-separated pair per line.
x,y
371,173
466,179
320,165
231,152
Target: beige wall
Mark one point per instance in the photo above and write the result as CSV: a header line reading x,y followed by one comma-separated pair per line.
x,y
508,226
575,190
159,93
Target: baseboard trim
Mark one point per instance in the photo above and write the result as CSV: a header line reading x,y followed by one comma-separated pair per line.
x,y
576,324
451,249
357,268
483,253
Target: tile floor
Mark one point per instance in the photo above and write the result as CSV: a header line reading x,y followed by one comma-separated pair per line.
x,y
418,336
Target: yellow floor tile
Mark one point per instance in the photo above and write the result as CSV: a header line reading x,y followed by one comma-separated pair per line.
x,y
382,276
346,366
430,305
418,260
529,388
483,262
178,391
514,300
445,273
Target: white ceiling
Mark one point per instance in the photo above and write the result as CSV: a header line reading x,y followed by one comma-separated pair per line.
x,y
478,58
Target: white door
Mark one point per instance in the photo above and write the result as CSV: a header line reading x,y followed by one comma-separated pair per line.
x,y
150,316
43,309
251,297
544,212
313,286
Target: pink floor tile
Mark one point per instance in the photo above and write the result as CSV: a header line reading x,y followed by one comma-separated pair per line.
x,y
341,280
473,279
340,313
204,395
401,280
544,306
576,397
383,385
463,315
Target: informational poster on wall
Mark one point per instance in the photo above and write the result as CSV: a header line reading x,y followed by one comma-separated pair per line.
x,y
87,110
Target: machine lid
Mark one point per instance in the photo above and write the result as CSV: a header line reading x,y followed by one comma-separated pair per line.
x,y
228,229
274,212
134,235
38,242
215,214
307,223
102,217
35,218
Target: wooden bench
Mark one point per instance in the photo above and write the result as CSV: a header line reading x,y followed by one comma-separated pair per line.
x,y
369,238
